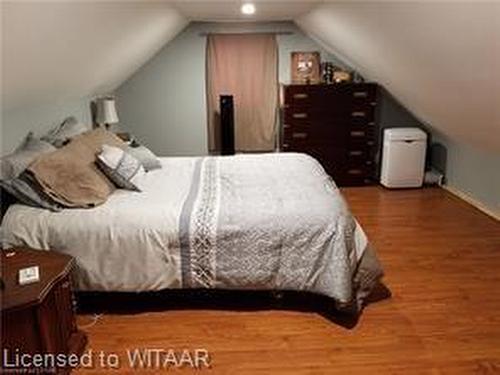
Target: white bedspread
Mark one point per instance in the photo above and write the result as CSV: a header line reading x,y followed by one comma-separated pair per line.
x,y
126,244
169,237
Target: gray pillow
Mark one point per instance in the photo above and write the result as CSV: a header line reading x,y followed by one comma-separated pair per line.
x,y
14,164
68,129
27,191
120,167
148,160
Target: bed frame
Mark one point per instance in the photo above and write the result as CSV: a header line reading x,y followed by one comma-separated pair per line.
x,y
217,299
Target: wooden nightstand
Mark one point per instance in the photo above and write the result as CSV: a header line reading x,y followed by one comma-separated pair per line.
x,y
38,317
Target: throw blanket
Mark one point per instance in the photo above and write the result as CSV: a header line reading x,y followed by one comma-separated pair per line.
x,y
243,227
69,175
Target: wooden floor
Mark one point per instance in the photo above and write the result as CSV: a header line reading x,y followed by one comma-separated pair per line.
x,y
442,263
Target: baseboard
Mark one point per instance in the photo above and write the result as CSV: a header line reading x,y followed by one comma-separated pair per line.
x,y
472,201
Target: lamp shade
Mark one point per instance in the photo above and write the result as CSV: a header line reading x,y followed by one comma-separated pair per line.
x,y
106,111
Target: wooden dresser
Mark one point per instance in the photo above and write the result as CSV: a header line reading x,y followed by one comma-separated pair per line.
x,y
337,125
38,318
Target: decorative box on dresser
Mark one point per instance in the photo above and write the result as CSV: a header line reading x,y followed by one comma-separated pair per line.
x,y
337,125
38,318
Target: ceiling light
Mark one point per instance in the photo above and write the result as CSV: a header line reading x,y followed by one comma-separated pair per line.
x,y
248,8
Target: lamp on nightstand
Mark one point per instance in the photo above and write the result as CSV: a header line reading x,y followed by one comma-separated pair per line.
x,y
106,112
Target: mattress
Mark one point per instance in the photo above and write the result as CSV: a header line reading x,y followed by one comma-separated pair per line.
x,y
259,222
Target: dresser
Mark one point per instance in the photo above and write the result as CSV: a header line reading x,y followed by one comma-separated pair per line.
x,y
337,125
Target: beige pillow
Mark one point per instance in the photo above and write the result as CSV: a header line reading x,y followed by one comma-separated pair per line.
x,y
69,175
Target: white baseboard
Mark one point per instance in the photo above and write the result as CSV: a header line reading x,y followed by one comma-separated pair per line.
x,y
472,201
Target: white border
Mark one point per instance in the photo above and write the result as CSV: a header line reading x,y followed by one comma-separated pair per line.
x,y
472,201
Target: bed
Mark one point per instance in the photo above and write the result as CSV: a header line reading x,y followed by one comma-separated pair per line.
x,y
257,222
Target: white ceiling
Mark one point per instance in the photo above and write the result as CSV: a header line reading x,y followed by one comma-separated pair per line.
x,y
229,10
54,51
441,60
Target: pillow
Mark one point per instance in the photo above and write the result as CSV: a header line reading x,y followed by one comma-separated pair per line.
x,y
26,191
68,129
70,176
148,160
14,164
120,167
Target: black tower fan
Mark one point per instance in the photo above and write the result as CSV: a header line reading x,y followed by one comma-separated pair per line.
x,y
227,124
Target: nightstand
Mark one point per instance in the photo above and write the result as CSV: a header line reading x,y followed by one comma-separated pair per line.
x,y
38,318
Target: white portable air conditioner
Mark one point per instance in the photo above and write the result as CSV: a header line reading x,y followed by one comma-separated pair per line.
x,y
403,158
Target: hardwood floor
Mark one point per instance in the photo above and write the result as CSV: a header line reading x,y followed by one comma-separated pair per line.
x,y
442,260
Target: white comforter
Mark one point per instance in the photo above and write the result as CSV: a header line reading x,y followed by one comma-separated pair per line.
x,y
152,240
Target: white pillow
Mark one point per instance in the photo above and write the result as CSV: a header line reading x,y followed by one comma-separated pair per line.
x,y
124,170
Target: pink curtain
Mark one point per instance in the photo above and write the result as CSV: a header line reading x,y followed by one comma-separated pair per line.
x,y
245,66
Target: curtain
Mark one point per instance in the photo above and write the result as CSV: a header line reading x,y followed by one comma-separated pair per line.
x,y
245,66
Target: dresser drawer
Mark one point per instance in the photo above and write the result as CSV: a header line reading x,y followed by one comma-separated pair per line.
x,y
302,96
360,142
345,117
360,132
360,114
309,140
334,111
362,93
357,174
305,117
359,123
366,165
360,156
315,132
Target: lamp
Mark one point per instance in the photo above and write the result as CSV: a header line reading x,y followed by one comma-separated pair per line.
x,y
106,112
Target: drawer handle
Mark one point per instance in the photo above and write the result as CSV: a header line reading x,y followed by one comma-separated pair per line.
x,y
286,145
358,114
300,96
286,126
358,133
299,115
299,135
372,123
373,103
369,162
370,143
360,94
355,153
355,171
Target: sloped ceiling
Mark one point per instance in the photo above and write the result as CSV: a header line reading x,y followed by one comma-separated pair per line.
x,y
441,60
53,51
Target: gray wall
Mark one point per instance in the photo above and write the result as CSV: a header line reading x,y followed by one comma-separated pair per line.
x,y
18,122
163,103
473,172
